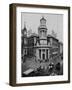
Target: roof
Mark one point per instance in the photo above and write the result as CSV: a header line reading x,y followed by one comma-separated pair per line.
x,y
24,29
52,37
43,27
61,43
42,18
34,35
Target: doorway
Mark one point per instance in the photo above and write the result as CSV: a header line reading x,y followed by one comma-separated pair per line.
x,y
43,56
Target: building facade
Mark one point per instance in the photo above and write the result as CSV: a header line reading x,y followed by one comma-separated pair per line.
x,y
42,46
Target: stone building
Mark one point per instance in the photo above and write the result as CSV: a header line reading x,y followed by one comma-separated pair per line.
x,y
61,47
42,46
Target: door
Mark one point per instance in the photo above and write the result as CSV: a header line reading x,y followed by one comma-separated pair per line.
x,y
43,56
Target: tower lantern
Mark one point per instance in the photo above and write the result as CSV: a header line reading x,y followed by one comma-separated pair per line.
x,y
43,21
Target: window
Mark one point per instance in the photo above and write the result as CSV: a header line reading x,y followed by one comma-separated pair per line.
x,y
47,53
40,53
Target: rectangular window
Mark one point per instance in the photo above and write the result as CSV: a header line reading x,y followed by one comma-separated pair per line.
x,y
47,53
40,53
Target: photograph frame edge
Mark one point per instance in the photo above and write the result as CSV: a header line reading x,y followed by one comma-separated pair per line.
x,y
12,44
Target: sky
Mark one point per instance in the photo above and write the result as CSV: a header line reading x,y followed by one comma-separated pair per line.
x,y
53,22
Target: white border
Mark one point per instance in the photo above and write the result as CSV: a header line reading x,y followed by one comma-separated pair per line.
x,y
64,77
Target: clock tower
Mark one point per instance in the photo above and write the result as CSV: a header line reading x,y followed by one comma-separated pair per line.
x,y
24,35
24,40
25,30
42,29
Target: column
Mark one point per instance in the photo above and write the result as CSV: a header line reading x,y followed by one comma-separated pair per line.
x,y
45,54
37,53
23,52
41,53
48,53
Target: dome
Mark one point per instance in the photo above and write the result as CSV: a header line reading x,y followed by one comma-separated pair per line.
x,y
42,19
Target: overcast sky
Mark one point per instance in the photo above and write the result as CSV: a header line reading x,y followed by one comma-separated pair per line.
x,y
53,22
